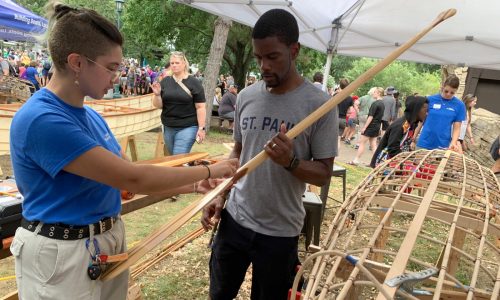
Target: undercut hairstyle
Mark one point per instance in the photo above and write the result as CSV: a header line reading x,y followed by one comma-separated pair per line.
x,y
318,77
343,83
452,81
78,30
277,23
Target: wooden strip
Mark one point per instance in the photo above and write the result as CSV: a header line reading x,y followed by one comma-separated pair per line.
x,y
174,160
401,259
465,222
11,296
448,260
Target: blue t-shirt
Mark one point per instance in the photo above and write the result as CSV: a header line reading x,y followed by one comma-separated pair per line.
x,y
438,125
46,135
30,75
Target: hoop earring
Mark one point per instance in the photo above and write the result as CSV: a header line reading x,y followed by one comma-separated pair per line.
x,y
76,80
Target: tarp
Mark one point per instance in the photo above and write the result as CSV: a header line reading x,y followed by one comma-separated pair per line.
x,y
373,28
17,23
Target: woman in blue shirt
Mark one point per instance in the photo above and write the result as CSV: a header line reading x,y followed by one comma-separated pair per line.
x,y
32,75
70,168
441,128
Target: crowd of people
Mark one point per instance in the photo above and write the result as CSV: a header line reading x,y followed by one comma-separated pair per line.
x,y
257,226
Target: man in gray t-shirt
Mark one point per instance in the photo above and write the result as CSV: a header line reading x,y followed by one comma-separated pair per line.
x,y
264,212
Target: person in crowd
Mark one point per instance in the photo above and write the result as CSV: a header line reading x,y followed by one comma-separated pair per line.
x,y
389,108
399,105
365,103
343,107
318,80
22,71
131,78
222,84
495,154
371,130
264,213
4,72
70,168
228,104
216,101
167,71
351,120
182,100
469,101
441,128
400,134
32,76
45,72
141,84
123,79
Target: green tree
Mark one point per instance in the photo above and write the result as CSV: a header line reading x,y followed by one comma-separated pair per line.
x,y
406,77
104,7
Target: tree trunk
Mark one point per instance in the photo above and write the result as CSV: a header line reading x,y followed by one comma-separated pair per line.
x,y
221,31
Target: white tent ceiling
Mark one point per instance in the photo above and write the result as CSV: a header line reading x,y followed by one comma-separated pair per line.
x,y
373,28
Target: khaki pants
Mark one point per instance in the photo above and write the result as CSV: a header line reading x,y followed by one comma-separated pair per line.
x,y
55,269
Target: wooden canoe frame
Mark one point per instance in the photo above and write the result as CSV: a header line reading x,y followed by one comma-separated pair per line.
x,y
428,187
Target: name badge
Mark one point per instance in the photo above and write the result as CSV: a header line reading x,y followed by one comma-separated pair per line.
x,y
436,106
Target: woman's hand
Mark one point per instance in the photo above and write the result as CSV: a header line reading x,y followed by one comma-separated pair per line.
x,y
200,135
225,168
206,185
156,87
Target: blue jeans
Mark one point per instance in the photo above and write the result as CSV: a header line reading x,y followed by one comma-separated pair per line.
x,y
179,139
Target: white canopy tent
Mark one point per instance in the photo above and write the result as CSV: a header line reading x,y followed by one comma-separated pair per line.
x,y
373,28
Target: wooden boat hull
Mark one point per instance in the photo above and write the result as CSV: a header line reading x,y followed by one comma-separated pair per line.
x,y
434,210
124,116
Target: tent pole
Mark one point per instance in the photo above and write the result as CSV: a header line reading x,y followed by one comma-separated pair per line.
x,y
332,46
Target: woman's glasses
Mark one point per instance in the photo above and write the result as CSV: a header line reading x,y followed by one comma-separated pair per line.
x,y
115,74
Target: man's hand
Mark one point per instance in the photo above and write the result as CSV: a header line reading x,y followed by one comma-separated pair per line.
x,y
280,148
211,213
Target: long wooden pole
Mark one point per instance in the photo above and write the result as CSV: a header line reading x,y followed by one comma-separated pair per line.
x,y
157,237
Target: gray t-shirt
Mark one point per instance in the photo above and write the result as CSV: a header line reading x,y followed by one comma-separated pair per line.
x,y
390,108
4,65
269,199
227,103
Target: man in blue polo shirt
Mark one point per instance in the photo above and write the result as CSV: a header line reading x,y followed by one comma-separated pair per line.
x,y
446,112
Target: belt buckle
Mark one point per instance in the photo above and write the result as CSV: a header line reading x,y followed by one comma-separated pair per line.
x,y
102,226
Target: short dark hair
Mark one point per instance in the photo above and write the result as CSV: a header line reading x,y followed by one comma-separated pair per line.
x,y
318,77
279,23
167,65
343,83
78,30
452,81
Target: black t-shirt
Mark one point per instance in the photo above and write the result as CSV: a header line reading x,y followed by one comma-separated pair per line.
x,y
179,107
344,106
377,112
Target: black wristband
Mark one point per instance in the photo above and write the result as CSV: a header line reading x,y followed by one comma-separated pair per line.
x,y
209,174
294,163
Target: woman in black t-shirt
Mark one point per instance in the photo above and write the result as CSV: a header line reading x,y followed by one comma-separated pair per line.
x,y
182,100
372,126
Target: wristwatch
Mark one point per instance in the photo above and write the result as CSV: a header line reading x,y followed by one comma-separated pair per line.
x,y
201,128
294,163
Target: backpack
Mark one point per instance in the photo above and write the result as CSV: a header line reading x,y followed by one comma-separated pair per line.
x,y
46,65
